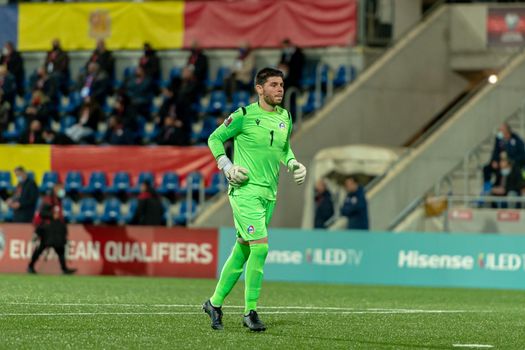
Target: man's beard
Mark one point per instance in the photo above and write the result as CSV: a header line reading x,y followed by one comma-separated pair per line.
x,y
270,101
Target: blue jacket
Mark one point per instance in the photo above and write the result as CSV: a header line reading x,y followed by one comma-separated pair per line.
x,y
355,209
324,209
514,148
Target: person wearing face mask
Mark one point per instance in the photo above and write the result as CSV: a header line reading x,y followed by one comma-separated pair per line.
x,y
508,181
23,202
241,72
150,63
292,59
198,63
138,89
57,66
509,143
15,65
104,58
51,229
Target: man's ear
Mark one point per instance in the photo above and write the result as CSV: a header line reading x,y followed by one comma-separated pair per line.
x,y
259,89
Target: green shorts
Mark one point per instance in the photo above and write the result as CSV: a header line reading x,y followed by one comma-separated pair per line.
x,y
251,215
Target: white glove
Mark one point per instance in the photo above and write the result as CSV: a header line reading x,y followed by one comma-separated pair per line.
x,y
299,171
235,174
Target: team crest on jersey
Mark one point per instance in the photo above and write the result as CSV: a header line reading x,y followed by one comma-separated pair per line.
x,y
281,125
228,121
251,230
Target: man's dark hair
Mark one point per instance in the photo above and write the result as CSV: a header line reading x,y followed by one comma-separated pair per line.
x,y
265,73
20,169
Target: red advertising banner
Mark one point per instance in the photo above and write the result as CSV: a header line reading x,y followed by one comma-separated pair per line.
x,y
112,250
265,23
506,27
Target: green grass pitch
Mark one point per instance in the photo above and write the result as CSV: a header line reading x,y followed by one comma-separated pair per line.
x,y
58,312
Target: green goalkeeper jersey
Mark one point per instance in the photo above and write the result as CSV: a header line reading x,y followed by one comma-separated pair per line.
x,y
261,142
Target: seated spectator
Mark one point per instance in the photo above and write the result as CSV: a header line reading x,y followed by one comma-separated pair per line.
x,y
52,137
5,113
15,65
139,90
509,181
506,142
104,59
198,64
117,134
24,200
149,209
241,72
87,123
7,85
95,84
33,135
40,108
41,81
57,66
150,63
355,207
124,111
292,62
167,135
324,206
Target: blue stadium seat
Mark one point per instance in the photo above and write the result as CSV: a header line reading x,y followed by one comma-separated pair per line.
x,y
132,208
217,103
185,214
218,184
175,72
112,211
311,105
88,211
97,183
240,99
208,126
74,182
218,81
193,183
67,209
49,180
8,215
170,184
66,122
121,183
144,176
5,181
344,75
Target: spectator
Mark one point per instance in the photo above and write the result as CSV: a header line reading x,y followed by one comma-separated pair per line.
x,y
15,65
5,113
125,112
509,180
241,77
149,210
292,63
104,59
138,88
355,207
57,66
51,228
506,142
167,135
7,85
150,63
52,137
198,63
95,84
87,124
324,206
23,202
33,135
117,134
46,88
40,108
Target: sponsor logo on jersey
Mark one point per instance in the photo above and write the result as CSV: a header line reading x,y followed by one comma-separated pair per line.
x,y
251,230
281,125
257,121
228,121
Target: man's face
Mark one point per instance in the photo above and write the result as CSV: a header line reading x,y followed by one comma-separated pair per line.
x,y
20,175
350,185
272,91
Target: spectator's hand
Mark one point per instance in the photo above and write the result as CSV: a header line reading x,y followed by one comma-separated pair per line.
x,y
14,205
31,110
178,124
494,164
499,190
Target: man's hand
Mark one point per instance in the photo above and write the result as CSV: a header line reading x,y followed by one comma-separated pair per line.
x,y
299,171
236,175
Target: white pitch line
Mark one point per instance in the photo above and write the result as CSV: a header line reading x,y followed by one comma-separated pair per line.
x,y
478,346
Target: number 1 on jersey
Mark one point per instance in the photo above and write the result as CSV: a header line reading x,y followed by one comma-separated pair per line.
x,y
271,139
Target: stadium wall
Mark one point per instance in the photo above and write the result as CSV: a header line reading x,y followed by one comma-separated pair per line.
x,y
409,259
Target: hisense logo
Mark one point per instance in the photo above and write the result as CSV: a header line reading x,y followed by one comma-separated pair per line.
x,y
413,259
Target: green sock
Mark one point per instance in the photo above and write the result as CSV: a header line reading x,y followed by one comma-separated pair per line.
x,y
254,275
230,273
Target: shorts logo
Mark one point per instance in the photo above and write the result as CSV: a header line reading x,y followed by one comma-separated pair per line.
x,y
251,230
228,121
281,125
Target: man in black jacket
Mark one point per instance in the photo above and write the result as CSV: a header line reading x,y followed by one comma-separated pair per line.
x,y
292,60
324,206
15,65
23,202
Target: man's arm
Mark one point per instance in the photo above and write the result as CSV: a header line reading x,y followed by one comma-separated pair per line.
x,y
288,153
231,127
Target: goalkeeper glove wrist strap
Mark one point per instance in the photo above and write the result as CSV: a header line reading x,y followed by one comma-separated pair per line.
x,y
224,163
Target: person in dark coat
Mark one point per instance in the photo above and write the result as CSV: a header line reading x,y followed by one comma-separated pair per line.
x,y
95,84
117,134
509,180
51,229
24,200
292,60
57,66
324,206
355,207
104,58
15,65
149,210
139,90
33,135
150,62
198,63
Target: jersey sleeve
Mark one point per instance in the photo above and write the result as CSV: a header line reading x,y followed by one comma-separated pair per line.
x,y
231,127
288,153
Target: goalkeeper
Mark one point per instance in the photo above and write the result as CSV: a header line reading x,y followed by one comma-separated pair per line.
x,y
261,133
